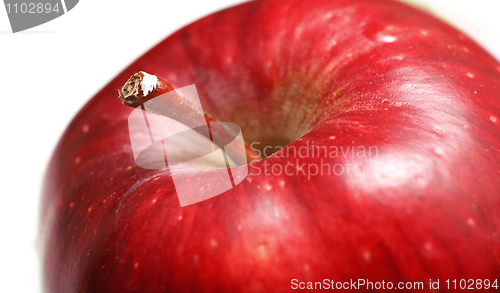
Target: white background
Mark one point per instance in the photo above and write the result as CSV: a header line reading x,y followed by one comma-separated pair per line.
x,y
41,88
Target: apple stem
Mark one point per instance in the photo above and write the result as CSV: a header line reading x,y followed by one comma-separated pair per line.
x,y
142,87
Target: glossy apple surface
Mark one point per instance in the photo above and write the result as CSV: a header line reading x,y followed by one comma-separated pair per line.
x,y
295,73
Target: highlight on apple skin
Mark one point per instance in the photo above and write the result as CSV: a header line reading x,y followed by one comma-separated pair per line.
x,y
380,124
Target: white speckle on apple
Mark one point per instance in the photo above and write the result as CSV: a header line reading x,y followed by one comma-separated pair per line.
x,y
470,75
172,76
438,151
387,39
331,44
367,256
299,30
85,128
262,252
269,187
136,265
493,119
307,267
213,243
238,227
471,221
149,83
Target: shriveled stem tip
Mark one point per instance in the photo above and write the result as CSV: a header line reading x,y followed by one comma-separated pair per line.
x,y
142,87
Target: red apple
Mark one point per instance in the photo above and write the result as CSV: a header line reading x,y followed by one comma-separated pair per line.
x,y
303,75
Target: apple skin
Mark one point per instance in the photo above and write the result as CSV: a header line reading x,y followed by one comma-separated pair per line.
x,y
328,72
